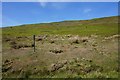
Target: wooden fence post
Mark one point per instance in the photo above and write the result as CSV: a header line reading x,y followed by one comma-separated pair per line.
x,y
34,42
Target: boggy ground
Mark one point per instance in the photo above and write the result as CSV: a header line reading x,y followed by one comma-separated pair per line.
x,y
60,56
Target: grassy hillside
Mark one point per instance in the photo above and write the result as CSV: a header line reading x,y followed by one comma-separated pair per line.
x,y
67,49
101,26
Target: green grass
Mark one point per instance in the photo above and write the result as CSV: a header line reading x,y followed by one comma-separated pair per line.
x,y
103,26
101,29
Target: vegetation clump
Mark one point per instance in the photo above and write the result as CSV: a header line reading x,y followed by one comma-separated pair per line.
x,y
56,51
7,65
15,45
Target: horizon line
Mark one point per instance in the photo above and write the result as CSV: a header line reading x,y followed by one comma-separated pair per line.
x,y
59,21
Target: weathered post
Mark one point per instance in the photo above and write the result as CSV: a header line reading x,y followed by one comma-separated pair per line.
x,y
34,42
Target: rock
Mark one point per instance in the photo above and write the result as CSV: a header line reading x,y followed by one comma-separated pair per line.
x,y
76,47
39,39
69,35
112,37
89,60
19,37
6,68
13,43
76,41
116,36
64,62
56,36
7,39
83,59
56,66
52,41
94,44
7,62
94,36
84,39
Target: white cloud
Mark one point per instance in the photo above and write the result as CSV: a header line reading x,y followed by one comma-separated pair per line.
x,y
43,4
55,5
58,5
87,10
